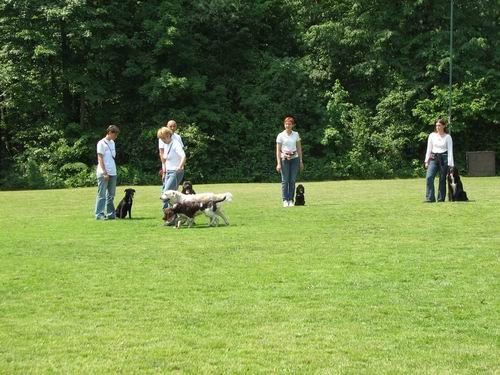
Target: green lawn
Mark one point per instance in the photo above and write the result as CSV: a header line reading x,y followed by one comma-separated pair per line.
x,y
364,279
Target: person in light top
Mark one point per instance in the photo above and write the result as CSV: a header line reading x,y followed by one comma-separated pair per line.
x,y
172,125
438,158
173,161
106,174
288,159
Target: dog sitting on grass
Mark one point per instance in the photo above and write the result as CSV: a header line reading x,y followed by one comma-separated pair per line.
x,y
299,196
125,205
187,188
185,211
456,191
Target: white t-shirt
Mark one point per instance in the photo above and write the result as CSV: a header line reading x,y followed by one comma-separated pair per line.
x,y
172,155
437,145
288,143
175,137
108,150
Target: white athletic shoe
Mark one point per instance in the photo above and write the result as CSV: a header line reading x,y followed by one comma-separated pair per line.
x,y
285,203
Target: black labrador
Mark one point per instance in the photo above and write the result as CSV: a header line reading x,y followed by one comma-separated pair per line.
x,y
456,191
125,205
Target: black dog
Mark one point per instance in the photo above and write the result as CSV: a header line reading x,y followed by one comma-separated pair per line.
x,y
456,191
125,205
187,188
299,196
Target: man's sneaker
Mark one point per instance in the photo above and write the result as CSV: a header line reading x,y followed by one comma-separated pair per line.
x,y
100,217
285,203
290,204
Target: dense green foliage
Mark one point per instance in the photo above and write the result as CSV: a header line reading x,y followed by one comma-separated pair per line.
x,y
365,79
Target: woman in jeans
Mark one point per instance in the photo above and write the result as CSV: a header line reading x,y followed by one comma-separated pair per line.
x,y
106,174
438,158
288,159
173,161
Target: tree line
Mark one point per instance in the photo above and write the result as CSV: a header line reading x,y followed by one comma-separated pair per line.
x,y
365,80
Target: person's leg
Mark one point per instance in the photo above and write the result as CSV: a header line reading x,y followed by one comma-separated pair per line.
x,y
100,201
110,196
432,169
443,171
170,183
180,176
294,169
285,176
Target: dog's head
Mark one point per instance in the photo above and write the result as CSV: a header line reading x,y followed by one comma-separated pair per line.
x,y
129,193
453,172
187,188
170,195
300,189
168,214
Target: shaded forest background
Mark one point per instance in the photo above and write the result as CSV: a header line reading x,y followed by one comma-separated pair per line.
x,y
365,79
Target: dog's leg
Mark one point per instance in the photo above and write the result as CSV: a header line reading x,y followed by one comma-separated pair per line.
x,y
214,221
220,213
209,214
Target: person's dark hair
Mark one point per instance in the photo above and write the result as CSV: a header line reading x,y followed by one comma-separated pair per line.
x,y
289,118
112,129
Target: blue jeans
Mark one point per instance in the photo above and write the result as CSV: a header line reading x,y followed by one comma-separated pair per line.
x,y
106,190
171,182
438,164
289,170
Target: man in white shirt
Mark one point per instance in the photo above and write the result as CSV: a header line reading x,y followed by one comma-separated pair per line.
x,y
106,174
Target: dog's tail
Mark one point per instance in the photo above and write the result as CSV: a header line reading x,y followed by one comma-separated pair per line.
x,y
219,200
222,197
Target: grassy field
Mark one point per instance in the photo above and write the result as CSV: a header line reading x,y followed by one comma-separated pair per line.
x,y
364,279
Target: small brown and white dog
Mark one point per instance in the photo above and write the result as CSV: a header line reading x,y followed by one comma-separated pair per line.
x,y
187,210
173,196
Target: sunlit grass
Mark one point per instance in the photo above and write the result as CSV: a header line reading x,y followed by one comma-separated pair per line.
x,y
364,278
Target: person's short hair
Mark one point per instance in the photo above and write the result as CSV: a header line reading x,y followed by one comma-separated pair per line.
x,y
289,118
169,122
163,132
112,129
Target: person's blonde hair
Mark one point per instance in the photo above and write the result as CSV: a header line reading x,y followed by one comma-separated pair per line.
x,y
163,132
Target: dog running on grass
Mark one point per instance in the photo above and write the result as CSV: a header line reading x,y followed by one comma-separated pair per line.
x,y
299,196
456,191
174,196
187,210
125,205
